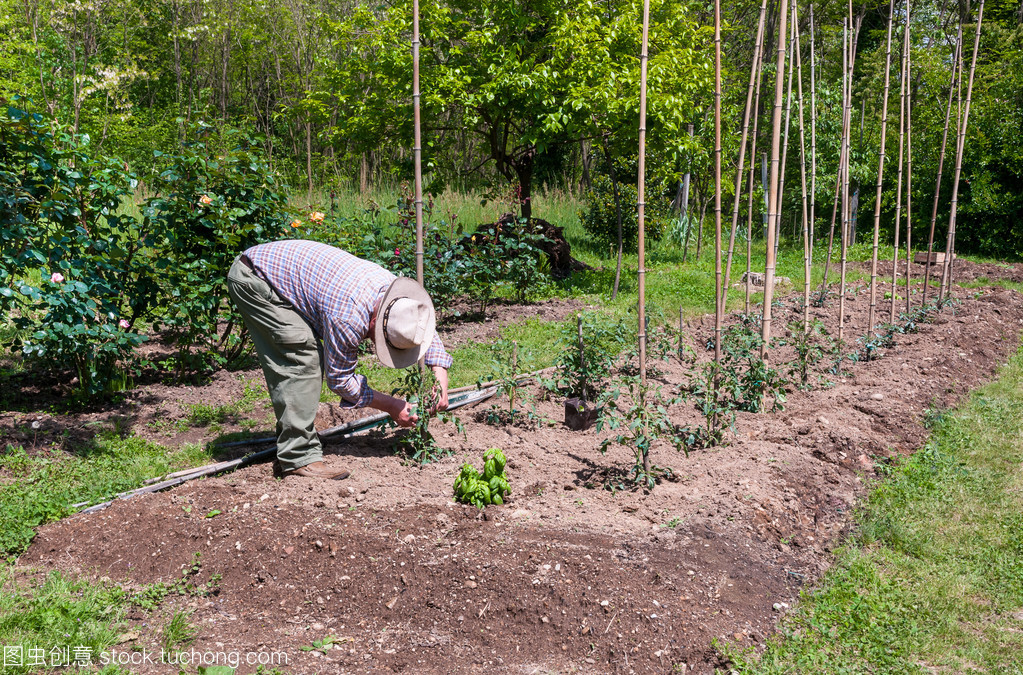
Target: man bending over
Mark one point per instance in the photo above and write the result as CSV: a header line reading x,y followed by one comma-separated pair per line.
x,y
307,307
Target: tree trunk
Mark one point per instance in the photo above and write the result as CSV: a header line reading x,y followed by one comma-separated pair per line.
x,y
618,211
524,171
585,159
309,158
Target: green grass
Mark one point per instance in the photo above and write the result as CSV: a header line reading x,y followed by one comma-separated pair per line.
x,y
933,579
42,486
59,610
984,282
466,208
178,631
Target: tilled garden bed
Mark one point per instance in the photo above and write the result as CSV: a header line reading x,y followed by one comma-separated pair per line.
x,y
567,576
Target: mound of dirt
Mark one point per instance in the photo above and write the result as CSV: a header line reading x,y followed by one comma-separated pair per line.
x,y
567,576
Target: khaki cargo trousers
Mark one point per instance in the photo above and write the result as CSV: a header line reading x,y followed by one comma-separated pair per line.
x,y
291,358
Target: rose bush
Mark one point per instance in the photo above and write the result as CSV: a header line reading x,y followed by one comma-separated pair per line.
x,y
60,224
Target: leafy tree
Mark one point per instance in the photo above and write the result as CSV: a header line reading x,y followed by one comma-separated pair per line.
x,y
523,77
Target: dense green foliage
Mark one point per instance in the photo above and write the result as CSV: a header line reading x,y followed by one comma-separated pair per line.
x,y
518,93
70,272
483,489
79,270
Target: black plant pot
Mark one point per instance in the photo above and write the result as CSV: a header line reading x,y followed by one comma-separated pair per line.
x,y
580,414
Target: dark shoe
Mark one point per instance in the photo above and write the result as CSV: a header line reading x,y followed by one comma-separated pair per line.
x,y
317,470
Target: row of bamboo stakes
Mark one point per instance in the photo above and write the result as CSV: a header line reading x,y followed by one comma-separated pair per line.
x,y
788,65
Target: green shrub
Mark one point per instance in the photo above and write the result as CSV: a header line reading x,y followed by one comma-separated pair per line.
x,y
217,197
600,219
73,272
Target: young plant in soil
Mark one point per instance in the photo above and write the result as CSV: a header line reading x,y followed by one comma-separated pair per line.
x,y
745,378
504,375
583,366
489,488
639,416
811,347
419,386
718,412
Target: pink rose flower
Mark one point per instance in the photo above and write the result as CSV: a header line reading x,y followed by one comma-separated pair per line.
x,y
397,253
123,323
57,278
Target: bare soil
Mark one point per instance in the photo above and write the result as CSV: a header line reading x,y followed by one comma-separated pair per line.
x,y
567,577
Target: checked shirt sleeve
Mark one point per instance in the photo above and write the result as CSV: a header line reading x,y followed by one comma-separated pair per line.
x,y
436,355
341,354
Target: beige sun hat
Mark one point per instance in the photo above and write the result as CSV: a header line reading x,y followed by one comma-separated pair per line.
x,y
405,324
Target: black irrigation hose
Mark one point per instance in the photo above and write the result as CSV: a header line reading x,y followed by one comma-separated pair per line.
x,y
333,431
343,431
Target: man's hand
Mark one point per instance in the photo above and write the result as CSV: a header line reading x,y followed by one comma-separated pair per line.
x,y
399,409
442,384
403,416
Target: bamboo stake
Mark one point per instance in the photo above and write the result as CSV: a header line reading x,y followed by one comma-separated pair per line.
x,y
941,160
582,352
718,289
640,211
959,122
880,167
753,73
909,166
946,274
785,142
841,168
902,140
774,198
807,262
846,133
749,185
417,149
838,192
813,135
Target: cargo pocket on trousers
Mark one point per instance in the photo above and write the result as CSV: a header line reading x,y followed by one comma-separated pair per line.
x,y
291,337
298,354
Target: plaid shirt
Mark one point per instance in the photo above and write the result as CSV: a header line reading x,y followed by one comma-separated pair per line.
x,y
336,293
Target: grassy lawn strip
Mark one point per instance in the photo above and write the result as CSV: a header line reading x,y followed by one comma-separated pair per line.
x,y
933,579
39,487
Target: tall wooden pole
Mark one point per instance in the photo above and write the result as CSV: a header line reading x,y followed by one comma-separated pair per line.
x,y
902,141
838,188
753,74
946,273
846,211
641,210
959,122
909,165
719,313
774,199
785,135
417,148
807,262
941,159
752,178
880,167
813,134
